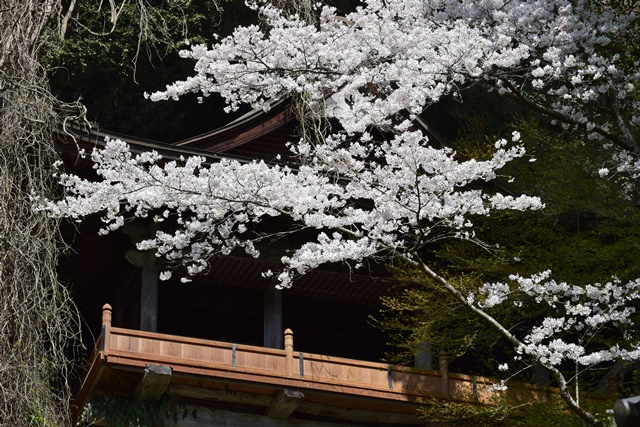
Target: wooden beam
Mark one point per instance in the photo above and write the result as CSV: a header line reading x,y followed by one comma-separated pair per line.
x,y
199,416
154,383
314,408
225,395
365,417
284,403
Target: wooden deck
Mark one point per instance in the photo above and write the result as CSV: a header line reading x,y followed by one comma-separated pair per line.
x,y
199,367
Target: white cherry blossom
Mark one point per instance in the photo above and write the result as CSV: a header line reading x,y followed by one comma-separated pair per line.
x,y
378,68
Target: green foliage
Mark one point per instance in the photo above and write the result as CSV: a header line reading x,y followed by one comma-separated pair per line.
x,y
410,317
529,413
111,70
630,383
587,231
125,412
460,414
121,411
93,43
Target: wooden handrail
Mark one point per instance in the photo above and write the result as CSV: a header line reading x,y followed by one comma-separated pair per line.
x,y
286,367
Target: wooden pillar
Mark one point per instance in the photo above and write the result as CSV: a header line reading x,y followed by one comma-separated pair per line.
x,y
288,349
540,375
444,374
423,358
272,309
149,293
148,263
613,384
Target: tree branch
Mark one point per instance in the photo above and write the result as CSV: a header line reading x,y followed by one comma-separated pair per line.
x,y
627,141
555,373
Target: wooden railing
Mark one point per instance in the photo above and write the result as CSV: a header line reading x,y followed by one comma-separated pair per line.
x,y
131,349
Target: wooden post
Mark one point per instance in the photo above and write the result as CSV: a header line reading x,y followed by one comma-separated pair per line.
x,y
423,356
272,309
147,262
288,351
106,326
444,374
540,375
149,293
613,385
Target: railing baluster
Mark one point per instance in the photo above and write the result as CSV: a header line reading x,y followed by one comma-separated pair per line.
x,y
233,356
475,389
106,326
301,365
288,348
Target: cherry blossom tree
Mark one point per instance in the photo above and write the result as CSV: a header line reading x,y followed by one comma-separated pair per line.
x,y
368,197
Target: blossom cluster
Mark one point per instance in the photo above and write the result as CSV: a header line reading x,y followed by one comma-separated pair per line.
x,y
365,200
581,313
402,55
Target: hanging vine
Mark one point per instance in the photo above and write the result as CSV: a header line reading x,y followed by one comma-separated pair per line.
x,y
38,321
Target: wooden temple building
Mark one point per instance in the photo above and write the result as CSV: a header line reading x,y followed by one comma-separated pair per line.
x,y
228,349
